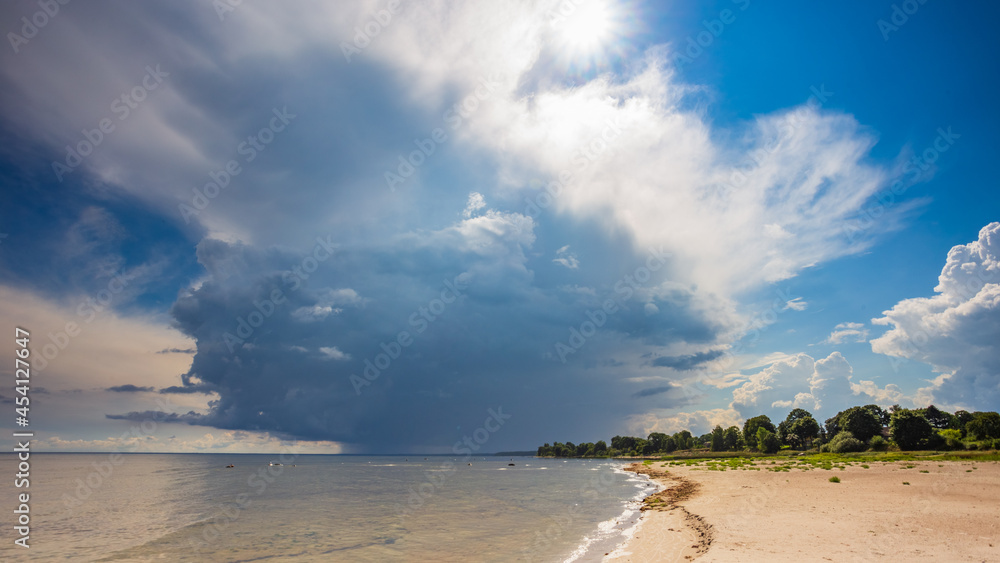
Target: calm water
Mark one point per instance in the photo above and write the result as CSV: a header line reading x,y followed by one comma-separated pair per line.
x,y
175,507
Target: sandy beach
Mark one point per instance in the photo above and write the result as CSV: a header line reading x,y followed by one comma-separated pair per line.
x,y
948,511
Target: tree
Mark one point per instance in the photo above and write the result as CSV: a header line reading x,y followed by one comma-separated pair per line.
x,y
984,425
718,439
880,413
796,414
909,430
961,419
600,447
733,439
832,426
805,428
861,422
669,444
623,443
767,441
751,425
845,442
657,441
783,431
683,439
937,418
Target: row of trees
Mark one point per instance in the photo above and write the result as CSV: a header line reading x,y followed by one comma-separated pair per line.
x,y
854,429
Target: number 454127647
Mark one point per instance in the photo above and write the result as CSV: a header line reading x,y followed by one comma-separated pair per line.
x,y
22,374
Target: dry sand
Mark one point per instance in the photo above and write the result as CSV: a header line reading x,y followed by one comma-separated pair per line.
x,y
950,513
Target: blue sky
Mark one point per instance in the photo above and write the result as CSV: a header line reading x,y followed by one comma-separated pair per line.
x,y
263,224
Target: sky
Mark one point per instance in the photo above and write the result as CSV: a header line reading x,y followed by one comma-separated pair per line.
x,y
380,226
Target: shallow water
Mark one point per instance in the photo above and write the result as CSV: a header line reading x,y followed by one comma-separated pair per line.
x,y
190,507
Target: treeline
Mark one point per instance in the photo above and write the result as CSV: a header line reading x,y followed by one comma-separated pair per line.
x,y
853,430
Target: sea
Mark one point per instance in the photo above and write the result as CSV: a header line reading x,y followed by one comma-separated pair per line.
x,y
192,507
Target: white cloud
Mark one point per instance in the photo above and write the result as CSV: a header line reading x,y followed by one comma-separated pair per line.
x,y
476,202
956,331
333,353
848,332
566,258
797,304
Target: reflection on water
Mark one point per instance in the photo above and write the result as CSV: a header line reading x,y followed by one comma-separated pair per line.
x,y
177,507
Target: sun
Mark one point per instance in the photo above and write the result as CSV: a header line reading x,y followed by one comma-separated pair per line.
x,y
585,26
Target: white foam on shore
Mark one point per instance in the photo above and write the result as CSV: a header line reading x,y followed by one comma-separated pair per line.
x,y
617,532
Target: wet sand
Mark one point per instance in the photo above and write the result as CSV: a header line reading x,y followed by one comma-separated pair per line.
x,y
949,513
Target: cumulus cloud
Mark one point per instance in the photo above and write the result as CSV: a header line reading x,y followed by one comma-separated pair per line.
x,y
824,387
848,332
737,209
476,202
956,330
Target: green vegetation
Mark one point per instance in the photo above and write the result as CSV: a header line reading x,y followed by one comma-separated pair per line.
x,y
834,479
849,432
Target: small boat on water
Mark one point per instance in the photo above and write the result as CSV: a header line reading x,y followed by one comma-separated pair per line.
x,y
274,464
230,466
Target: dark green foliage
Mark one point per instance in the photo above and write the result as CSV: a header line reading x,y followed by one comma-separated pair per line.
x,y
961,419
767,441
718,439
878,444
880,413
657,441
733,439
936,417
684,440
845,442
862,422
984,425
751,425
909,430
669,444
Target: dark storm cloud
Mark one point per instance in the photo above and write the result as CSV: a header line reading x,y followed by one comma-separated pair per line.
x,y
129,388
690,362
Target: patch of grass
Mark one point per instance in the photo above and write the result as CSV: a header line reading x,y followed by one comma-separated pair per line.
x,y
648,462
906,482
834,479
865,466
924,471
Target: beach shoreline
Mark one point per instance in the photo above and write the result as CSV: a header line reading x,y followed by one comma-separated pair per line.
x,y
791,511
